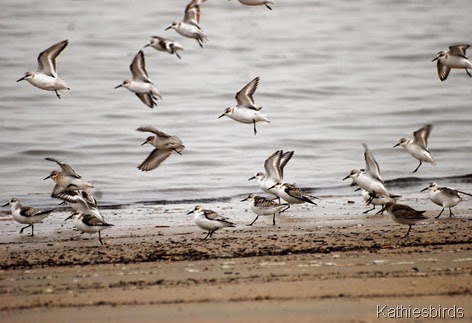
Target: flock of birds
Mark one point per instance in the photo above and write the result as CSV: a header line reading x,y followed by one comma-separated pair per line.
x,y
75,192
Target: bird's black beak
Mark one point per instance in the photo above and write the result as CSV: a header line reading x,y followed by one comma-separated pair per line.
x,y
147,45
346,177
190,212
6,204
435,59
46,178
221,115
250,179
144,143
398,144
244,199
168,28
70,217
272,186
424,189
21,79
118,86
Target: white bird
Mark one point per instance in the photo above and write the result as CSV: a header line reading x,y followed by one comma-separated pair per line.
x,y
444,196
46,77
274,168
246,110
209,220
26,214
257,3
404,214
292,194
189,27
88,223
264,206
165,144
418,147
81,201
67,182
165,45
378,200
140,83
453,58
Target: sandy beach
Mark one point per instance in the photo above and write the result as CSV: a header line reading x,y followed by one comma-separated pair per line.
x,y
339,265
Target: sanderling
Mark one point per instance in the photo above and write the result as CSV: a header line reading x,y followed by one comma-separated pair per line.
x,y
165,45
140,84
67,182
378,200
81,201
27,215
257,3
404,214
88,223
189,26
66,169
164,144
369,178
46,77
418,147
209,220
453,58
444,196
274,167
263,206
246,111
292,194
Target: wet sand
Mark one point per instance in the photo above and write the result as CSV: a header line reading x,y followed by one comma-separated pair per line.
x,y
329,263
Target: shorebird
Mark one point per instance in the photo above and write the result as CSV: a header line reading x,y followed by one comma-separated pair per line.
x,y
263,206
81,201
378,200
404,214
140,83
46,77
246,110
165,45
444,196
453,58
164,144
88,223
418,147
209,220
66,169
292,194
26,214
274,171
257,3
67,182
189,27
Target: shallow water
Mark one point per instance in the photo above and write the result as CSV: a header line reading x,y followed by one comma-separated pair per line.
x,y
333,75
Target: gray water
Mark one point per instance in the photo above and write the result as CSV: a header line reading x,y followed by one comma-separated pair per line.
x,y
334,74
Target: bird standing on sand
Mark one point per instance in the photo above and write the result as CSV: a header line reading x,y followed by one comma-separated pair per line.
x,y
292,194
88,223
26,214
209,220
46,77
444,196
404,214
453,58
264,206
418,147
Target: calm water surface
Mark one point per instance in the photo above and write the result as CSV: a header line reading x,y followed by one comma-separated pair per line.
x,y
334,74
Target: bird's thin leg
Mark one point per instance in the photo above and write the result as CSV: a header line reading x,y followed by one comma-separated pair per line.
x,y
273,220
100,238
468,72
439,214
21,231
288,207
451,215
381,211
371,198
253,221
408,232
268,6
32,230
255,130
208,234
365,212
57,94
418,167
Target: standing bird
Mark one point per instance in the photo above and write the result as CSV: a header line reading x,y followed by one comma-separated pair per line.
x,y
165,45
164,144
88,223
418,147
189,27
27,215
453,58
404,214
140,84
263,206
257,3
209,220
46,77
444,196
378,200
274,171
246,110
292,194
